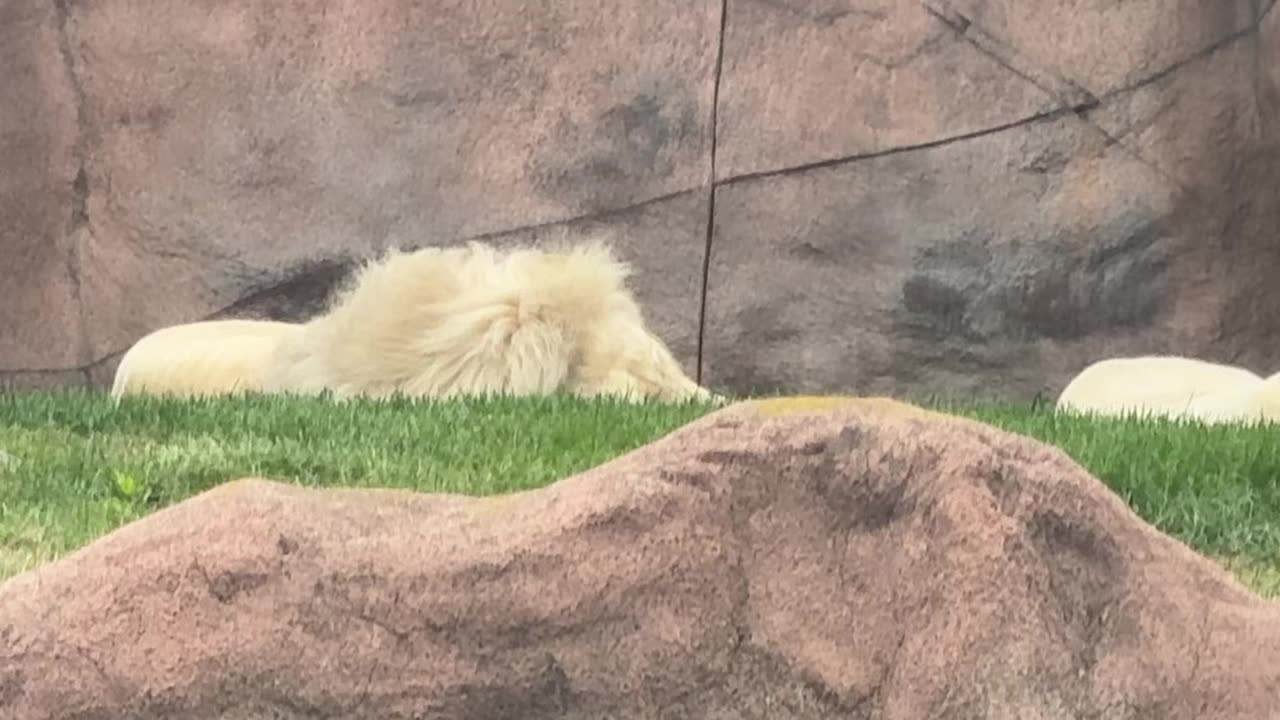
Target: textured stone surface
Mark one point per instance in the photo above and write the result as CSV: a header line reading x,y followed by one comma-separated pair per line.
x,y
1141,218
924,272
804,558
1269,67
1037,185
1102,46
808,82
255,146
39,223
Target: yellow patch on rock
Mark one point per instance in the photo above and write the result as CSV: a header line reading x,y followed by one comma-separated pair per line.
x,y
802,404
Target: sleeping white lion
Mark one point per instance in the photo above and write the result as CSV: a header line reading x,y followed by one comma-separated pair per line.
x,y
472,320
437,322
1173,387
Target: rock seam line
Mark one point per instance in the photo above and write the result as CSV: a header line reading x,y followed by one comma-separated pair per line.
x,y
79,215
1084,100
929,145
711,189
974,36
1067,92
1188,193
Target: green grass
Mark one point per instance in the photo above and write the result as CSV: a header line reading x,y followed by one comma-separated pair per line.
x,y
81,466
84,467
1217,487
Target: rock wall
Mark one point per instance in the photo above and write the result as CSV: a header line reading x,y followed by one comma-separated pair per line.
x,y
937,197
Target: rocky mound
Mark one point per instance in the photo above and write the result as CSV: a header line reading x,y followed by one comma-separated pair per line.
x,y
782,559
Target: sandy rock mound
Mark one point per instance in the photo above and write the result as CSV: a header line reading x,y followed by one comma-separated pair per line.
x,y
783,559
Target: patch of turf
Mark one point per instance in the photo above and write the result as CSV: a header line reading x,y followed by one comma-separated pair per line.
x,y
1216,487
81,467
78,466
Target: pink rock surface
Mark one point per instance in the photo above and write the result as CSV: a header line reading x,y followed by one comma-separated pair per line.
x,y
41,194
1136,213
243,145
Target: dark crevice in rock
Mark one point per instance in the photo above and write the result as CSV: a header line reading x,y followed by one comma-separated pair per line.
x,y
825,16
940,142
80,185
80,199
1063,90
1265,12
711,190
599,215
301,295
740,610
1178,65
1188,193
1268,100
1076,100
79,217
1081,100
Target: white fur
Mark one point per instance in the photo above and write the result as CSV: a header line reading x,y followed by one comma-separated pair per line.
x,y
213,357
470,320
1169,386
1265,403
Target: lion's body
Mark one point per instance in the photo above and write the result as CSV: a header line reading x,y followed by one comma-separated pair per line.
x,y
213,357
1166,386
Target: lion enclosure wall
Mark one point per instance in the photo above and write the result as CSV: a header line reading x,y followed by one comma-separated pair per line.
x,y
887,196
